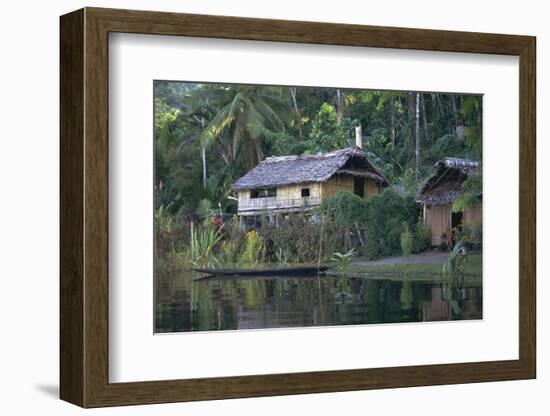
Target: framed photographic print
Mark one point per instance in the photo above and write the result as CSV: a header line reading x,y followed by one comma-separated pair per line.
x,y
260,207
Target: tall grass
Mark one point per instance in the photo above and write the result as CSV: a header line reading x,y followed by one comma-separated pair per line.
x,y
164,220
204,240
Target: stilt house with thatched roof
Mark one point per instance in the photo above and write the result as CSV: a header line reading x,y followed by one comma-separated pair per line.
x,y
283,184
438,194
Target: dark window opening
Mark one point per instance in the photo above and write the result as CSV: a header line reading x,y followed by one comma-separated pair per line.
x,y
305,192
359,186
263,193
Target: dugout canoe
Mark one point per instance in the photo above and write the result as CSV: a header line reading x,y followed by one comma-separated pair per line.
x,y
287,271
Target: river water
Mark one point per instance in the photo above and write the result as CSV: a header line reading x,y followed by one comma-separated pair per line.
x,y
184,304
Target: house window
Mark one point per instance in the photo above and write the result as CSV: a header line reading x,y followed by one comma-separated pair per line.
x,y
263,193
305,192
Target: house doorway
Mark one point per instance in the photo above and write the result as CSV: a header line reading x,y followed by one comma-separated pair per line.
x,y
456,224
359,186
456,220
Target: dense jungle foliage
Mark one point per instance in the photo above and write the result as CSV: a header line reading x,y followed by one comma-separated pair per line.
x,y
206,136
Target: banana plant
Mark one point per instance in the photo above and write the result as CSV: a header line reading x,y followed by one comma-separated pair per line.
x,y
343,260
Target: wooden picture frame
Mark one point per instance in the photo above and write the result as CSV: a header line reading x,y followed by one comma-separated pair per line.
x,y
84,207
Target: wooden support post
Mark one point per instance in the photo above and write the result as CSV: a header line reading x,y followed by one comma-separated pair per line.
x,y
242,222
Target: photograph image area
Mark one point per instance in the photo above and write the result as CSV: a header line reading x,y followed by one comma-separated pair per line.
x,y
293,206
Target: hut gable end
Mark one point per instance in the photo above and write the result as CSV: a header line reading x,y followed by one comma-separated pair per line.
x,y
445,183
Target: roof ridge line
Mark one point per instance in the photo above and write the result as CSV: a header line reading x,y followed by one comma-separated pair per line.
x,y
312,155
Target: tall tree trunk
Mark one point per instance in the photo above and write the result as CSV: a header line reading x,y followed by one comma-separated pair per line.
x,y
417,131
425,119
410,101
392,121
437,104
203,157
454,108
339,104
297,111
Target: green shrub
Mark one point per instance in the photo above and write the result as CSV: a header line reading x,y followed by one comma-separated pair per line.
x,y
470,234
463,233
406,242
297,238
422,237
254,249
346,208
228,254
204,208
386,216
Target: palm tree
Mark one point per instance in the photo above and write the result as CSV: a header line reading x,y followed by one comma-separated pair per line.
x,y
244,115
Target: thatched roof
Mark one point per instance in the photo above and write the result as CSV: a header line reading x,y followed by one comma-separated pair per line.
x,y
287,170
445,183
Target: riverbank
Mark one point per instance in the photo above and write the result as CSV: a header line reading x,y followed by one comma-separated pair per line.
x,y
428,264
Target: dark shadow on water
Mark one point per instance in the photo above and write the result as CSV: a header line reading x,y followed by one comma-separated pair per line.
x,y
51,390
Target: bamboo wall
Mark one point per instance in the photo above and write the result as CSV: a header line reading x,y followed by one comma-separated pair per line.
x,y
290,196
371,188
438,219
335,184
472,215
345,182
288,192
295,191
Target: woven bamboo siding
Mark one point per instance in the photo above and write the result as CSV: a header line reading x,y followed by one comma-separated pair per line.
x,y
295,191
371,188
345,183
288,198
472,215
335,184
289,192
438,219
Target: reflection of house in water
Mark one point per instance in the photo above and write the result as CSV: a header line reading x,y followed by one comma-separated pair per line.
x,y
470,303
283,184
278,302
438,193
438,309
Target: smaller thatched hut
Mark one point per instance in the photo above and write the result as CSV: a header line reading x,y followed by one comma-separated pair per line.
x,y
283,184
438,193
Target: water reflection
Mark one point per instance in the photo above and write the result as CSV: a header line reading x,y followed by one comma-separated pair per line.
x,y
225,304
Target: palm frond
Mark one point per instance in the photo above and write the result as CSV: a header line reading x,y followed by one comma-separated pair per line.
x,y
254,120
237,104
215,128
268,113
